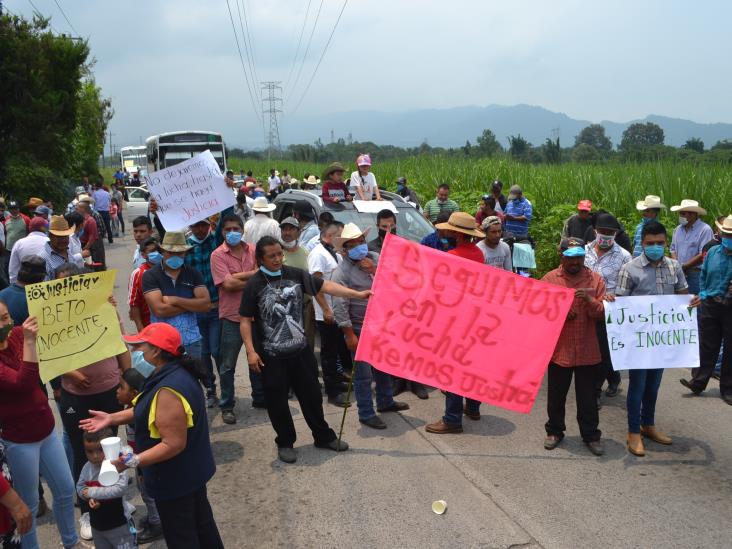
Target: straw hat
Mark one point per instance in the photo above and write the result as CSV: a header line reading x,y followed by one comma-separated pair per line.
x,y
650,202
725,227
351,231
461,222
689,206
312,180
175,241
334,167
250,184
261,205
34,202
59,226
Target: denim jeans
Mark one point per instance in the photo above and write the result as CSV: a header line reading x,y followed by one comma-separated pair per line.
x,y
642,394
231,343
693,279
194,349
107,223
363,375
46,456
209,326
454,408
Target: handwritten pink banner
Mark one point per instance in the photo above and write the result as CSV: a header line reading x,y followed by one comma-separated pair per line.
x,y
461,326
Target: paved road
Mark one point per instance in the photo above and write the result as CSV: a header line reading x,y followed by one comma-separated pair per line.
x,y
502,488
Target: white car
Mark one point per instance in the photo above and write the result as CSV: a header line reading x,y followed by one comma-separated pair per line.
x,y
138,202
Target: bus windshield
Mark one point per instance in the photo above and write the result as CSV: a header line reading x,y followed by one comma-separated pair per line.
x,y
169,149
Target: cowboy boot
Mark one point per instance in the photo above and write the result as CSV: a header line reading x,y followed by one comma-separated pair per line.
x,y
655,435
635,444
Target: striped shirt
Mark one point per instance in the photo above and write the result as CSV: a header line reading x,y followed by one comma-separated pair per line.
x,y
518,208
641,277
434,208
55,260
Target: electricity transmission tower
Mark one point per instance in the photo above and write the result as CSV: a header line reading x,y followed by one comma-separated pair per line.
x,y
272,106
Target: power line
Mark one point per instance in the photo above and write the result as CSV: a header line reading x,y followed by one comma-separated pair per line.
x,y
250,62
67,19
249,38
299,43
325,49
241,59
307,49
39,12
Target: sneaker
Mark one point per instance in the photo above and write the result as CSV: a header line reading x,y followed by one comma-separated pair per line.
x,y
211,401
395,406
228,417
596,447
334,445
287,455
374,422
149,533
85,527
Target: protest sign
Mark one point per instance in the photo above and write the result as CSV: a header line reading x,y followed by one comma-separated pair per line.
x,y
654,331
77,325
461,326
190,191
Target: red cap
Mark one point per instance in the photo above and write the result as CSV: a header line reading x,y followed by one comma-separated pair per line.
x,y
585,205
38,224
158,334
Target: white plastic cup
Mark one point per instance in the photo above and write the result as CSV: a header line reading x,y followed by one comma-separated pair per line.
x,y
111,447
108,474
439,507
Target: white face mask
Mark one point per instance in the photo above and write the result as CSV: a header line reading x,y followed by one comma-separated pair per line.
x,y
683,221
605,242
289,245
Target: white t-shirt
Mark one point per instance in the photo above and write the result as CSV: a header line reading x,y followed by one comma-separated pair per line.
x,y
320,260
274,182
498,257
366,182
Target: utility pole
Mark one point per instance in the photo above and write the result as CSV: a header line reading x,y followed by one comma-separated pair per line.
x,y
111,152
332,136
272,106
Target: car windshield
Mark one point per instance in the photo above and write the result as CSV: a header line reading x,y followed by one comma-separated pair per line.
x,y
410,224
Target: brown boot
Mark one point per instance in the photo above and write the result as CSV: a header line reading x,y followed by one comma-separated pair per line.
x,y
441,428
635,445
655,435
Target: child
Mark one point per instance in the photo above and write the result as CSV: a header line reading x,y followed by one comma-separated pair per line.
x,y
130,385
114,217
111,528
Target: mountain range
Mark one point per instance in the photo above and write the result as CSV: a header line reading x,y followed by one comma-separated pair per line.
x,y
452,127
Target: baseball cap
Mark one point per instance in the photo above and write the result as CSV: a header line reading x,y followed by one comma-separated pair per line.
x,y
158,334
290,221
585,205
572,247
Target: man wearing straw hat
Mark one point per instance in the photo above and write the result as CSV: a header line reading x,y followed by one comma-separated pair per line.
x,y
56,252
715,315
356,272
262,223
689,239
649,207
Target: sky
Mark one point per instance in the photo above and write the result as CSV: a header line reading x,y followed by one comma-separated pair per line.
x,y
172,65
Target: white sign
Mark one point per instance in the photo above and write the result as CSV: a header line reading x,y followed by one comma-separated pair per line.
x,y
373,206
655,331
189,192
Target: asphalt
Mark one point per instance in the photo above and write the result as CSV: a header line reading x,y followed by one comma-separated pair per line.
x,y
501,487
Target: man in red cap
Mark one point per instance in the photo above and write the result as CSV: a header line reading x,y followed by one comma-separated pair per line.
x,y
577,225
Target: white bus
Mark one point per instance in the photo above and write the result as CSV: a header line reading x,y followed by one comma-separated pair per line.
x,y
168,149
132,158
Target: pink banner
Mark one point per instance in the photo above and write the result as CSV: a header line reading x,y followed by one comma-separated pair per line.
x,y
461,326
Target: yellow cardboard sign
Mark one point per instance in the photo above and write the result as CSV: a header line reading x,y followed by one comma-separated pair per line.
x,y
77,325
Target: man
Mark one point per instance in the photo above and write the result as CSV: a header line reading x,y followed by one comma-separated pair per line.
x,y
648,274
577,352
135,181
406,192
438,239
89,235
102,201
303,212
690,237
461,228
42,211
650,207
17,225
232,265
249,178
175,292
324,219
322,262
578,225
286,180
385,223
32,270
242,209
119,176
496,253
139,311
229,179
356,272
297,256
142,229
262,223
203,242
605,257
334,189
441,203
518,213
497,192
715,315
56,251
272,302
119,194
33,244
274,183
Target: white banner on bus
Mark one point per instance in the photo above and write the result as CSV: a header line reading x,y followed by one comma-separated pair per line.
x,y
655,331
190,191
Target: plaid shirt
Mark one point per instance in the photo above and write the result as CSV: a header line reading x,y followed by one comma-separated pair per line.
x,y
199,257
577,344
641,277
607,265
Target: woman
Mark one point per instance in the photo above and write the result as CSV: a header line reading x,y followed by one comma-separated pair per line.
x,y
487,208
28,433
15,517
364,180
171,434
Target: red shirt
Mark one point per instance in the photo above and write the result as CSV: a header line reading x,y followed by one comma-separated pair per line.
x,y
90,234
223,264
332,190
468,251
135,297
25,415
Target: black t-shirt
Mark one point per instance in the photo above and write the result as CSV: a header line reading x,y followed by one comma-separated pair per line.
x,y
276,303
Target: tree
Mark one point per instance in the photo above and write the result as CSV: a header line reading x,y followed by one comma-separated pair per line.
x,y
518,146
640,135
93,115
467,148
594,136
488,145
694,144
722,144
552,151
585,153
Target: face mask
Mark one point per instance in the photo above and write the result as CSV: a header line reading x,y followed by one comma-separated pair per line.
x,y
266,271
141,365
154,258
175,262
358,252
233,238
727,243
198,240
646,220
5,331
605,242
683,221
289,245
654,252
382,233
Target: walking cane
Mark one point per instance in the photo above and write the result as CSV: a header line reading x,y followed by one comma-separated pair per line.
x,y
348,399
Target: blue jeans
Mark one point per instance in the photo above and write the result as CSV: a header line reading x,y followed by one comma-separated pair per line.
x,y
693,279
208,325
231,343
642,394
363,375
46,457
454,408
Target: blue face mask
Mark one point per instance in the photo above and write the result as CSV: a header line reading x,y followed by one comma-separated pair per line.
x,y
175,262
154,258
357,253
646,220
233,238
727,243
141,365
654,252
266,271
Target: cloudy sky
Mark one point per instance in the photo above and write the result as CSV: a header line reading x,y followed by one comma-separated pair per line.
x,y
170,65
